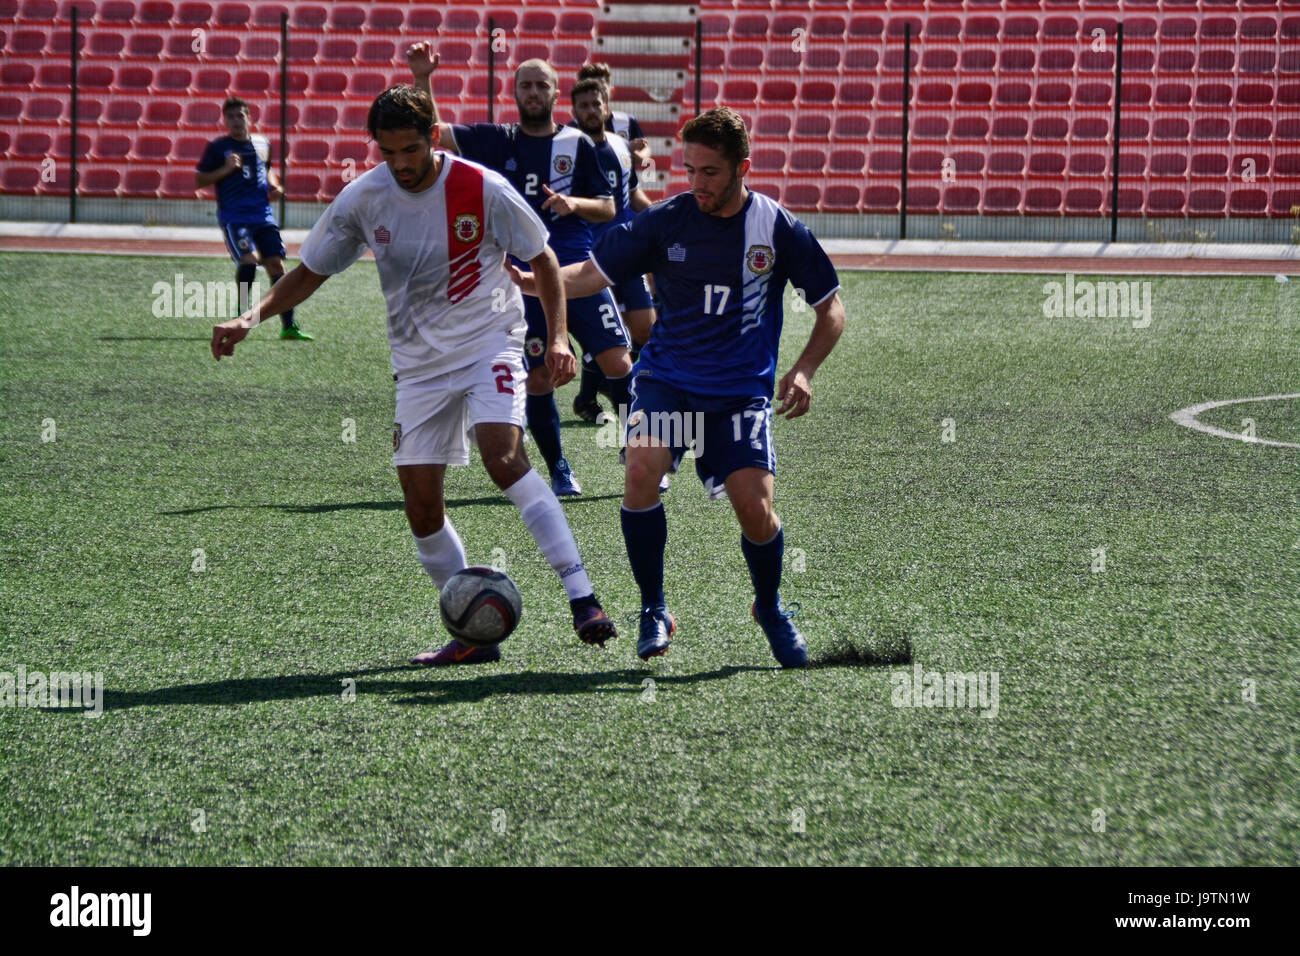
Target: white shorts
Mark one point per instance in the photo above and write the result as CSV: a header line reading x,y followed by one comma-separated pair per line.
x,y
435,417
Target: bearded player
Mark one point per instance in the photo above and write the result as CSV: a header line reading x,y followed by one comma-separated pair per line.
x,y
556,171
590,105
439,228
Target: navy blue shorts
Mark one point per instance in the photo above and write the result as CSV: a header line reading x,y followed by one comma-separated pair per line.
x,y
593,321
727,432
632,295
243,237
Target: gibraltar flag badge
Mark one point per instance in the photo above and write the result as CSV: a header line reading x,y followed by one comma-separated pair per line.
x,y
760,259
468,228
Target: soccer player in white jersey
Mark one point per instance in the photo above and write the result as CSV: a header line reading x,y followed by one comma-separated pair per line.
x,y
440,228
721,256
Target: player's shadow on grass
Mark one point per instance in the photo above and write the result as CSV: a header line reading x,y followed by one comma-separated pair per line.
x,y
252,690
625,681
395,505
155,338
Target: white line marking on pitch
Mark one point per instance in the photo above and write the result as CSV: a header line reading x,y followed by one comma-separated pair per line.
x,y
1187,417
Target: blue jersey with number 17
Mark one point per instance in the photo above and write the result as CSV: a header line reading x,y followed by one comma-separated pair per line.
x,y
720,283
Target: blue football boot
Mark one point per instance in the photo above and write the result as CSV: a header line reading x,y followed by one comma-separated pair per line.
x,y
787,643
562,481
657,627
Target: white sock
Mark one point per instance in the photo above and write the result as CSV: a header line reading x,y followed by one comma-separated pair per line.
x,y
441,553
545,521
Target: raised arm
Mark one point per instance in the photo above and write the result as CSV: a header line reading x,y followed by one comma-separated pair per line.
x,y
580,279
546,279
639,201
423,62
293,289
795,391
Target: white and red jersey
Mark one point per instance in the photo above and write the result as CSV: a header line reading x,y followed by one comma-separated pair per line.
x,y
441,257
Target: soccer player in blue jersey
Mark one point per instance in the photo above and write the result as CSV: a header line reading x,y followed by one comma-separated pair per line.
x,y
590,103
616,121
721,256
239,166
555,169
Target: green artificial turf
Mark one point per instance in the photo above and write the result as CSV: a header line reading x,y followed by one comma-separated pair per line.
x,y
1124,732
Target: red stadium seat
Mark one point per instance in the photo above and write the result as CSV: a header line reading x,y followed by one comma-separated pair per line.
x,y
841,198
47,109
303,187
347,18
193,14
152,149
777,125
141,183
179,184
384,20
99,181
1043,200
852,126
31,145
202,114
803,197
233,15
122,112
155,13
880,199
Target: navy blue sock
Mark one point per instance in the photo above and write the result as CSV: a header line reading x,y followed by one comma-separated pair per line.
x,y
591,376
764,562
286,317
620,393
646,536
245,273
544,424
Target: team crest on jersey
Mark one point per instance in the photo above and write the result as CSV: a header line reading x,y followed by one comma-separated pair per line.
x,y
397,435
467,227
563,165
760,259
535,347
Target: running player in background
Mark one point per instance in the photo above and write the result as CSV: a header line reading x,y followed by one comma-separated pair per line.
x,y
623,124
721,256
239,166
590,102
440,228
555,169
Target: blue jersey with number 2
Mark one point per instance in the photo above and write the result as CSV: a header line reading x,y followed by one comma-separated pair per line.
x,y
720,282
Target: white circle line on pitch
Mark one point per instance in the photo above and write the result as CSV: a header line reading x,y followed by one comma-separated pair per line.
x,y
1187,417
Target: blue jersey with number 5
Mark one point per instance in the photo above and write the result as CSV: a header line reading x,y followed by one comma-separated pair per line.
x,y
720,283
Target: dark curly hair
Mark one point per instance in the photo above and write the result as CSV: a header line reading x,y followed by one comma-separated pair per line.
x,y
401,107
721,129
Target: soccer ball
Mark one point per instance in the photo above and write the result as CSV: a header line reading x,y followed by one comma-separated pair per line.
x,y
480,606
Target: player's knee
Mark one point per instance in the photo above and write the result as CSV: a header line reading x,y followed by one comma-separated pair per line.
x,y
539,380
642,476
505,467
615,362
755,514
